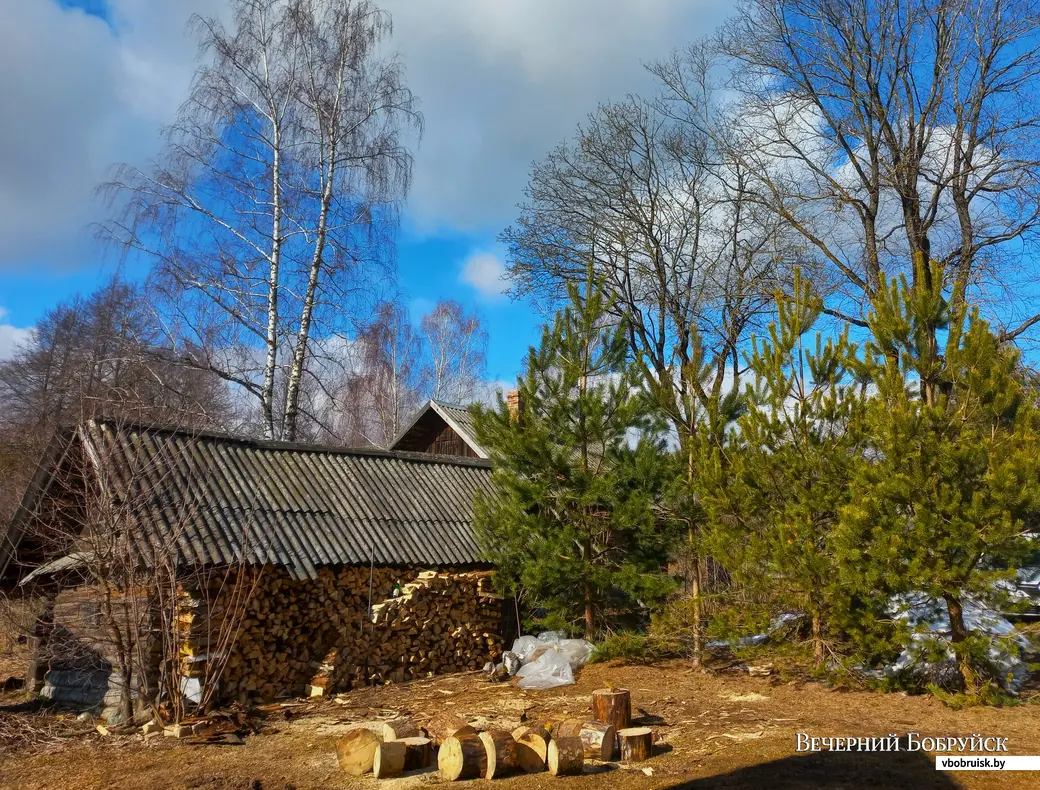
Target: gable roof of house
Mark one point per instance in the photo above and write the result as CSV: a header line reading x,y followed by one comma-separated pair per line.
x,y
458,418
218,499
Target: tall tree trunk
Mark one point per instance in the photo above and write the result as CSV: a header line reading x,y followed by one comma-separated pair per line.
x,y
817,638
271,340
958,635
695,568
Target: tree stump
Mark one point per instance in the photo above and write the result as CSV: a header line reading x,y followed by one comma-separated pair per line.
x,y
613,706
566,756
599,740
501,753
637,744
388,760
447,725
399,729
462,756
356,751
419,753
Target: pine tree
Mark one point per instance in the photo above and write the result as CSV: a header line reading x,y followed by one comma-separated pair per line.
x,y
773,494
939,504
572,521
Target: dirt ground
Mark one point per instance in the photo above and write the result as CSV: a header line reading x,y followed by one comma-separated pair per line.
x,y
720,729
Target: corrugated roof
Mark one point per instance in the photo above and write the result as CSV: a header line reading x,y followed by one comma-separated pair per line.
x,y
218,499
458,417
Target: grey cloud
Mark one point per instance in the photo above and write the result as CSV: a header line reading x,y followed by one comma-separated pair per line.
x,y
500,81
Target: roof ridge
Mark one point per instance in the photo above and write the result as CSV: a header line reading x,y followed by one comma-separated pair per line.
x,y
276,444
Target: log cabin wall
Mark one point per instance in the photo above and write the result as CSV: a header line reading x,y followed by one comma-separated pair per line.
x,y
448,442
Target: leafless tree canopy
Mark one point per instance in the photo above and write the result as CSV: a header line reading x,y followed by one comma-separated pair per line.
x,y
269,213
884,133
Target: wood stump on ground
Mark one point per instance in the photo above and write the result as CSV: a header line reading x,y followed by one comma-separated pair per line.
x,y
532,748
566,756
399,729
613,706
388,759
462,756
500,749
356,751
419,753
446,725
637,744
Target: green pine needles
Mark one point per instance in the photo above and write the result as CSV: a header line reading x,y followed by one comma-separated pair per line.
x,y
573,524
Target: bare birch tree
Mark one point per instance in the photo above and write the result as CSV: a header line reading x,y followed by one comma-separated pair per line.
x,y
455,347
276,192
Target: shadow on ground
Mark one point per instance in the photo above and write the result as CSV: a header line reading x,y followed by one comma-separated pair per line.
x,y
834,770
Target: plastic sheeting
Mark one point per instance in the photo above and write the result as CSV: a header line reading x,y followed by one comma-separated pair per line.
x,y
549,659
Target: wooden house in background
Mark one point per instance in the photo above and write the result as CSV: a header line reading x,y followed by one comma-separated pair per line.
x,y
441,429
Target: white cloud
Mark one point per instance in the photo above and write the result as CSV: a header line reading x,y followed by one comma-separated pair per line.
x,y
11,337
485,272
499,82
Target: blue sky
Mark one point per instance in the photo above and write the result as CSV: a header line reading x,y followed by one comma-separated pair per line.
x,y
499,83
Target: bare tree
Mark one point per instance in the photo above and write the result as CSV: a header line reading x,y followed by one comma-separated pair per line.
x,y
455,346
276,193
887,135
666,219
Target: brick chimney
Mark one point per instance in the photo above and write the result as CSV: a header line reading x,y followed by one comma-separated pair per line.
x,y
513,402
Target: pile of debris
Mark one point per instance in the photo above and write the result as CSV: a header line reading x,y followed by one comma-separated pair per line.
x,y
542,662
558,745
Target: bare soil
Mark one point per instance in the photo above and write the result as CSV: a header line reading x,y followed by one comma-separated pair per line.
x,y
716,729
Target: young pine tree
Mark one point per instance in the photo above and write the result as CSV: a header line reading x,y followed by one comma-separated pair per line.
x,y
940,503
774,493
572,521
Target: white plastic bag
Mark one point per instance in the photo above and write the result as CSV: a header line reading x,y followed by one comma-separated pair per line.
x,y
577,651
550,669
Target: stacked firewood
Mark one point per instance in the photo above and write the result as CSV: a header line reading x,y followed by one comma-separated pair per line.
x,y
439,623
557,745
317,632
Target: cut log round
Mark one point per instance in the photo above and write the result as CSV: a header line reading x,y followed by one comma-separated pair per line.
x,y
570,728
388,760
446,725
356,750
462,756
637,744
532,748
613,706
599,740
566,756
398,729
419,753
501,753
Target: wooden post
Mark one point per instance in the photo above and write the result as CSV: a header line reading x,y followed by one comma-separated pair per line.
x,y
566,756
637,744
36,672
613,706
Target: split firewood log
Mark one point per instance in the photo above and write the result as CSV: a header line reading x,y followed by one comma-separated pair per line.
x,y
419,753
566,756
501,753
462,756
399,729
613,706
356,751
388,759
532,748
637,744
